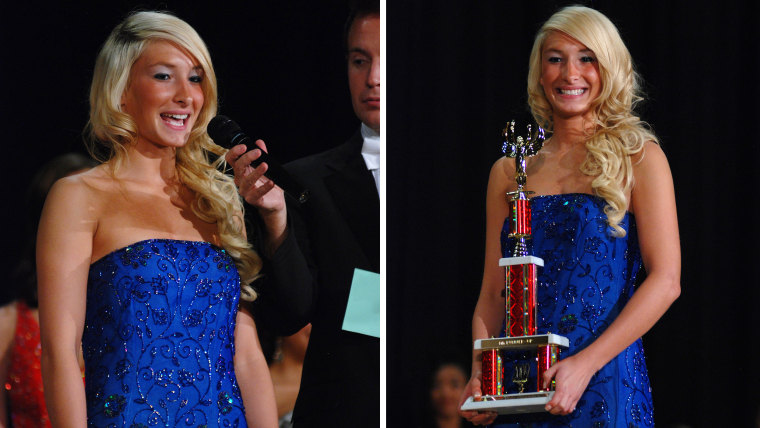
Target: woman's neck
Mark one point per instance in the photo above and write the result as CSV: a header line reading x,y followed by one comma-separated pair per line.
x,y
150,165
568,133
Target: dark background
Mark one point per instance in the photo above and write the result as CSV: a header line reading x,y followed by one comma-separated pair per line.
x,y
456,75
280,68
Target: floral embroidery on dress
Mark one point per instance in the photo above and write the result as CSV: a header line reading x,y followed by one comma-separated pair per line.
x,y
158,338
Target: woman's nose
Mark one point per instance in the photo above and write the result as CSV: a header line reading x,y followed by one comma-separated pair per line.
x,y
570,70
184,94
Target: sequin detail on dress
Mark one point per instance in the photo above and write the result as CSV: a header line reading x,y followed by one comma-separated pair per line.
x,y
587,278
24,383
159,337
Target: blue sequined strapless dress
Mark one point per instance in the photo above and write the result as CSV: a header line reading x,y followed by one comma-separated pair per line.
x,y
158,339
587,278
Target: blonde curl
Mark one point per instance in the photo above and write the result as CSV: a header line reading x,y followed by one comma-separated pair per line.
x,y
618,134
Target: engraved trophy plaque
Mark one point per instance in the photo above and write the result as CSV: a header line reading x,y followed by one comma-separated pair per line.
x,y
513,366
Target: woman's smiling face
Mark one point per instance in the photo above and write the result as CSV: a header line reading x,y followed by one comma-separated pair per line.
x,y
164,95
569,75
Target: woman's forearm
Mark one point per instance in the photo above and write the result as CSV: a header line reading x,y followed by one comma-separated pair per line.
x,y
257,391
64,391
486,323
650,301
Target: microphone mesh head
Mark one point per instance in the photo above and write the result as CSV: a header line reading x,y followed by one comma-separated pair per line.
x,y
223,130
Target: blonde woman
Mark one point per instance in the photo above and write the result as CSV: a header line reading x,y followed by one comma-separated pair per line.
x,y
605,205
144,258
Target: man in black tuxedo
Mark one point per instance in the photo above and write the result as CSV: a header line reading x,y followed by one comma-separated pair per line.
x,y
312,250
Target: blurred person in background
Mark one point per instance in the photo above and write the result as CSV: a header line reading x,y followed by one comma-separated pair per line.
x,y
20,350
446,387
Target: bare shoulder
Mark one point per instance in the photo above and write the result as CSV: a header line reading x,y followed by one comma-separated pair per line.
x,y
68,190
502,172
652,178
649,158
93,179
80,195
8,314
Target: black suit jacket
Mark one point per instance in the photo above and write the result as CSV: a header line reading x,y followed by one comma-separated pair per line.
x,y
308,279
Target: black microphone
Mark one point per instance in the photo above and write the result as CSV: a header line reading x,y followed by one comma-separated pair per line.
x,y
226,133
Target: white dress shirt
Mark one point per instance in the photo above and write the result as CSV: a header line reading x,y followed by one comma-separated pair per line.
x,y
371,152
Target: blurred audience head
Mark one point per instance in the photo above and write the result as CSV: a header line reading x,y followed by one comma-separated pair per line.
x,y
446,388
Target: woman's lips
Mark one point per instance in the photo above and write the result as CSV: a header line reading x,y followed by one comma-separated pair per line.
x,y
176,121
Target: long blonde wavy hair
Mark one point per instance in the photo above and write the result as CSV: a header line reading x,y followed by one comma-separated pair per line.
x,y
618,133
112,131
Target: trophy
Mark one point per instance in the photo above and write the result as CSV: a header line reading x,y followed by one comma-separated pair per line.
x,y
514,365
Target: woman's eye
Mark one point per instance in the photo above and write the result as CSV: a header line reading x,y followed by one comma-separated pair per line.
x,y
161,76
588,59
196,79
554,59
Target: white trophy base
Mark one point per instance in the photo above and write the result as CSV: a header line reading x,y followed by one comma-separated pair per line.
x,y
521,260
527,402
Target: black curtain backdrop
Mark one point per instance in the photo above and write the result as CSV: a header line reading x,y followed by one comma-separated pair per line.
x,y
280,68
456,74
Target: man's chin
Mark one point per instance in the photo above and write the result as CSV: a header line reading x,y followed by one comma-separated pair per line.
x,y
371,120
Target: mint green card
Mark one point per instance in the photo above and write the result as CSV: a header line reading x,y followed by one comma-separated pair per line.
x,y
363,309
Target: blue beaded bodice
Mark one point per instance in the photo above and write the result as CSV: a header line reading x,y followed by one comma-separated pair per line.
x,y
588,277
158,339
